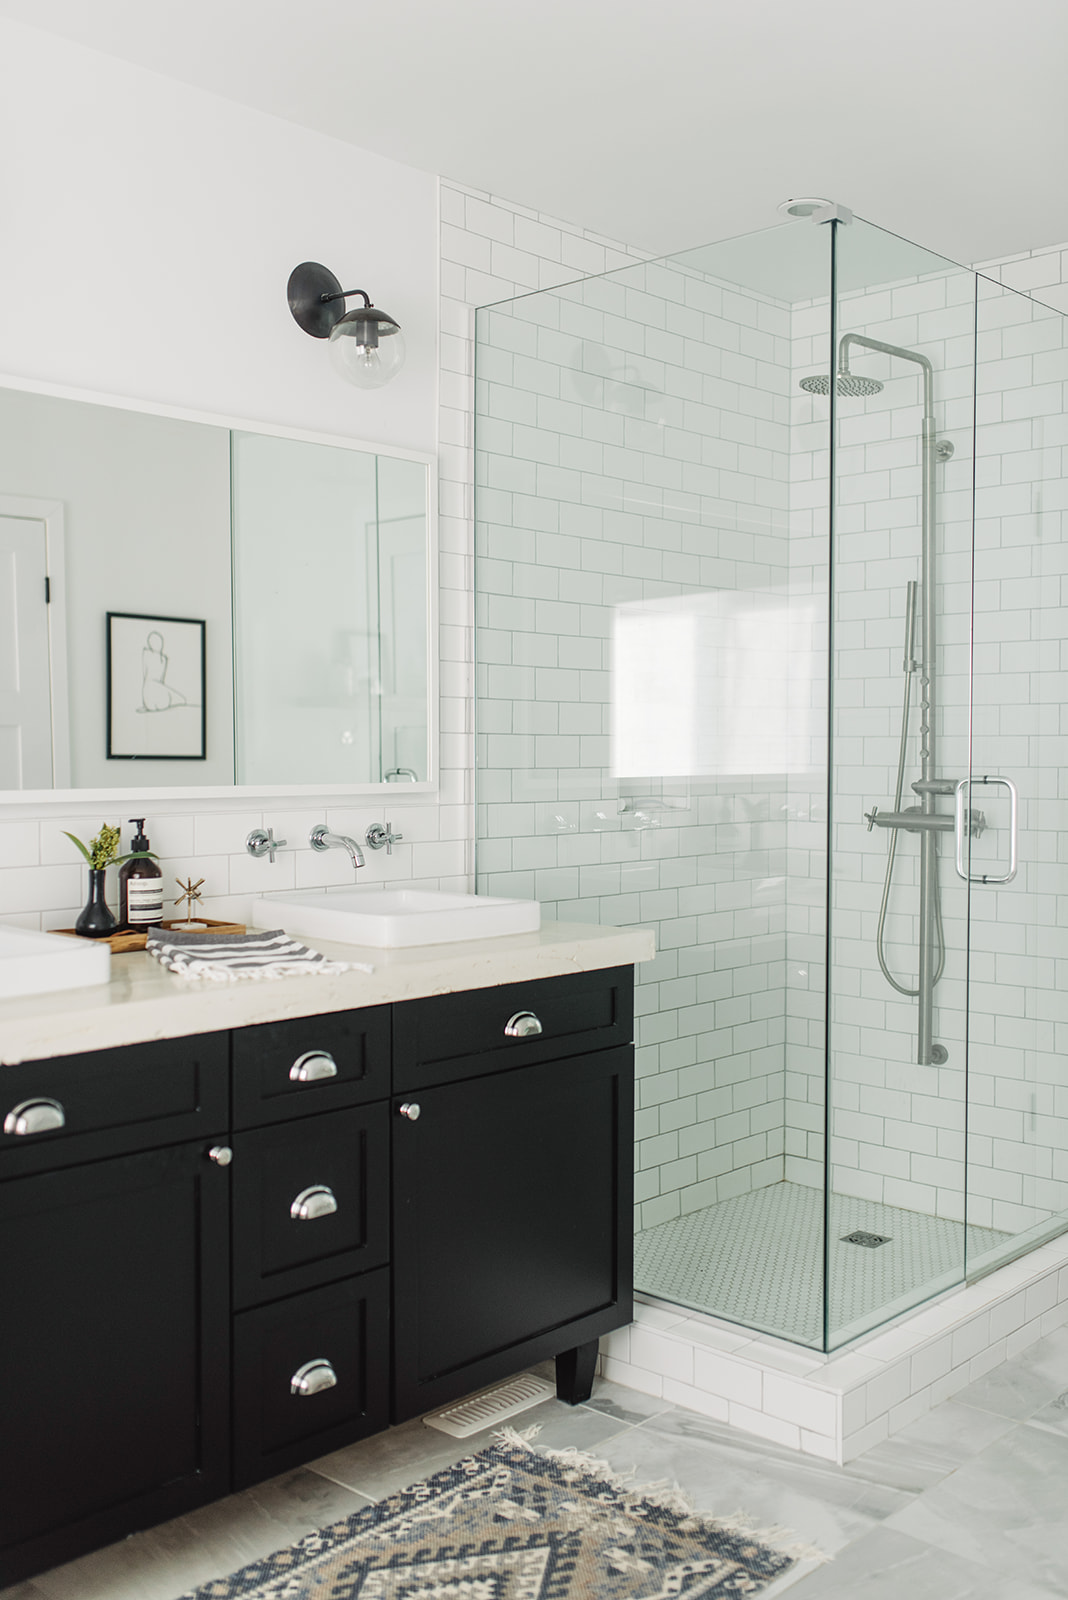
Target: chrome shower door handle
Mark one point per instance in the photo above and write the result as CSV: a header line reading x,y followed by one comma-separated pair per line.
x,y
962,829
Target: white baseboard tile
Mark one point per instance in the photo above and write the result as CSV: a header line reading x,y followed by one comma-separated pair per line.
x,y
838,1406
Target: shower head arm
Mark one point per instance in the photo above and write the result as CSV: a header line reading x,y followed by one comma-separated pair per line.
x,y
890,350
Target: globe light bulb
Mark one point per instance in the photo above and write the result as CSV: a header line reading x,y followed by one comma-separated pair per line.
x,y
367,348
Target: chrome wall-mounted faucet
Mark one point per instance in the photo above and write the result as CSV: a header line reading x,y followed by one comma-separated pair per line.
x,y
321,838
262,842
381,833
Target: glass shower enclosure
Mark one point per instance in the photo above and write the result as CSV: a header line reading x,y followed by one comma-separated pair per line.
x,y
771,564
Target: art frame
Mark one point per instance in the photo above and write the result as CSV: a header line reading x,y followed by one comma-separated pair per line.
x,y
156,702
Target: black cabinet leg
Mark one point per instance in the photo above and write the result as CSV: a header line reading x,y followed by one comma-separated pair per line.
x,y
574,1373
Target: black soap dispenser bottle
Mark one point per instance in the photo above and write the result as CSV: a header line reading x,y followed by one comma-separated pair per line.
x,y
140,885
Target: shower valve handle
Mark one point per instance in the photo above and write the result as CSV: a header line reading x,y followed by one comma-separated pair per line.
x,y
870,816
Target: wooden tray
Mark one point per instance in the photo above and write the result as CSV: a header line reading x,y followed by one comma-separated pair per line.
x,y
131,940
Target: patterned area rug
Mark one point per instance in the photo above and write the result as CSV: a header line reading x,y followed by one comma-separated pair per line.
x,y
512,1523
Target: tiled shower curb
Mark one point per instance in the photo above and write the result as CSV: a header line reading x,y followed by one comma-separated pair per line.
x,y
838,1406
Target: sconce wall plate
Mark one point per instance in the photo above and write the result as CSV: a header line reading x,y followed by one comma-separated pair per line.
x,y
307,285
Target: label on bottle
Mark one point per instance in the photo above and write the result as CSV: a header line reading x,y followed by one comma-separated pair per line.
x,y
144,901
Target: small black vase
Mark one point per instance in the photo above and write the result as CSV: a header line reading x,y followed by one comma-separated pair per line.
x,y
96,921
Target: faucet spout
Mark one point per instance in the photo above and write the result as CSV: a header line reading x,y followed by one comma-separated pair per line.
x,y
321,838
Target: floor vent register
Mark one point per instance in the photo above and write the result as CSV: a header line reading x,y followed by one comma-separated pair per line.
x,y
490,1406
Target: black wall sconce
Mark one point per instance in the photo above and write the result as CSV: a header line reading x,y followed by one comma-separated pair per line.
x,y
366,345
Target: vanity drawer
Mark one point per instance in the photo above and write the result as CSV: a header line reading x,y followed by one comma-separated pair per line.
x,y
310,1064
452,1036
340,1335
310,1202
106,1102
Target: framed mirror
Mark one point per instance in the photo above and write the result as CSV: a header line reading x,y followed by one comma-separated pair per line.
x,y
189,605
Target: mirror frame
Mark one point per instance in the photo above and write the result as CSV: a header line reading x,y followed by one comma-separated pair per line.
x,y
241,794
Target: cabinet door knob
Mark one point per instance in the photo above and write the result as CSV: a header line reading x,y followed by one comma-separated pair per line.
x,y
316,1201
411,1109
312,1378
34,1116
312,1066
221,1154
524,1025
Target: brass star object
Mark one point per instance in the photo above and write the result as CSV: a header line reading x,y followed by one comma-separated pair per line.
x,y
190,893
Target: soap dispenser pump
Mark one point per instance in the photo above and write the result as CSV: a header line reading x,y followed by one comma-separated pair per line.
x,y
140,885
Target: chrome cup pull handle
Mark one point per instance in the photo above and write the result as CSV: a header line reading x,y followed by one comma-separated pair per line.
x,y
316,1201
962,828
40,1115
313,1066
524,1025
312,1378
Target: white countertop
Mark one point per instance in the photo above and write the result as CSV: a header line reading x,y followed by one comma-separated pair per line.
x,y
142,1001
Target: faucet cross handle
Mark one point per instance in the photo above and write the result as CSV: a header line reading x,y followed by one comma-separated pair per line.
x,y
379,834
262,842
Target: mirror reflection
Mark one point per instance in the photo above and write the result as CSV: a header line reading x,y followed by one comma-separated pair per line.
x,y
281,587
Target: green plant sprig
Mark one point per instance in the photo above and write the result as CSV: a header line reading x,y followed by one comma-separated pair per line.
x,y
103,851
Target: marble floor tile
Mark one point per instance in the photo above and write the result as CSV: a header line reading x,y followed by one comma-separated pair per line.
x,y
724,1480
1055,1415
162,1562
807,1474
1020,1387
1006,1509
888,1565
931,1447
625,1406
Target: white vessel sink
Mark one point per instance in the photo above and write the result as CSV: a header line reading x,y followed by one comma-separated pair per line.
x,y
35,963
390,918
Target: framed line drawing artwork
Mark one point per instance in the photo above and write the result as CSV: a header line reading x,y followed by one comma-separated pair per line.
x,y
156,707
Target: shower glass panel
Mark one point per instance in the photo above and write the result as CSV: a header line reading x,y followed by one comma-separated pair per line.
x,y
898,916
1018,998
724,603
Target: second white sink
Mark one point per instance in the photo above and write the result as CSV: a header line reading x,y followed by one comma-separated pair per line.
x,y
391,918
39,963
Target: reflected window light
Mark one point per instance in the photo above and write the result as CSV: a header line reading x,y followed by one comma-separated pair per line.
x,y
714,684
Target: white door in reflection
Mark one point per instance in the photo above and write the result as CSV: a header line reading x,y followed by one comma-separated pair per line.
x,y
25,691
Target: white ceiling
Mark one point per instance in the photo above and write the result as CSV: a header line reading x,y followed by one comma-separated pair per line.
x,y
665,126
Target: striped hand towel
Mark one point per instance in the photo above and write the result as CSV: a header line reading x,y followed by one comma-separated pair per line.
x,y
228,957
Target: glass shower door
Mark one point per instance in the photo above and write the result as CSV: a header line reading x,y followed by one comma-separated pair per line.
x,y
1018,1000
903,352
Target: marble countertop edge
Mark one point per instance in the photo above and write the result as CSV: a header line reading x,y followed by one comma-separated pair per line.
x,y
142,1001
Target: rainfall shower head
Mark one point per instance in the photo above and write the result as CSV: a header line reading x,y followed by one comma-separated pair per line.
x,y
848,384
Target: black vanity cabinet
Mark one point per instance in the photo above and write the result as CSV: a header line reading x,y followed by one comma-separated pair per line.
x,y
228,1254
114,1328
512,1183
311,1238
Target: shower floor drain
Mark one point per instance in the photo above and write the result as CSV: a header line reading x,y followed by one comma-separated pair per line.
x,y
492,1405
870,1241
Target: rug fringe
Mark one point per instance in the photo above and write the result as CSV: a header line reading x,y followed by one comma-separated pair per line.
x,y
665,1494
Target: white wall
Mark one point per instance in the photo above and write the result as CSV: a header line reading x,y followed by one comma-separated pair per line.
x,y
149,232
150,229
